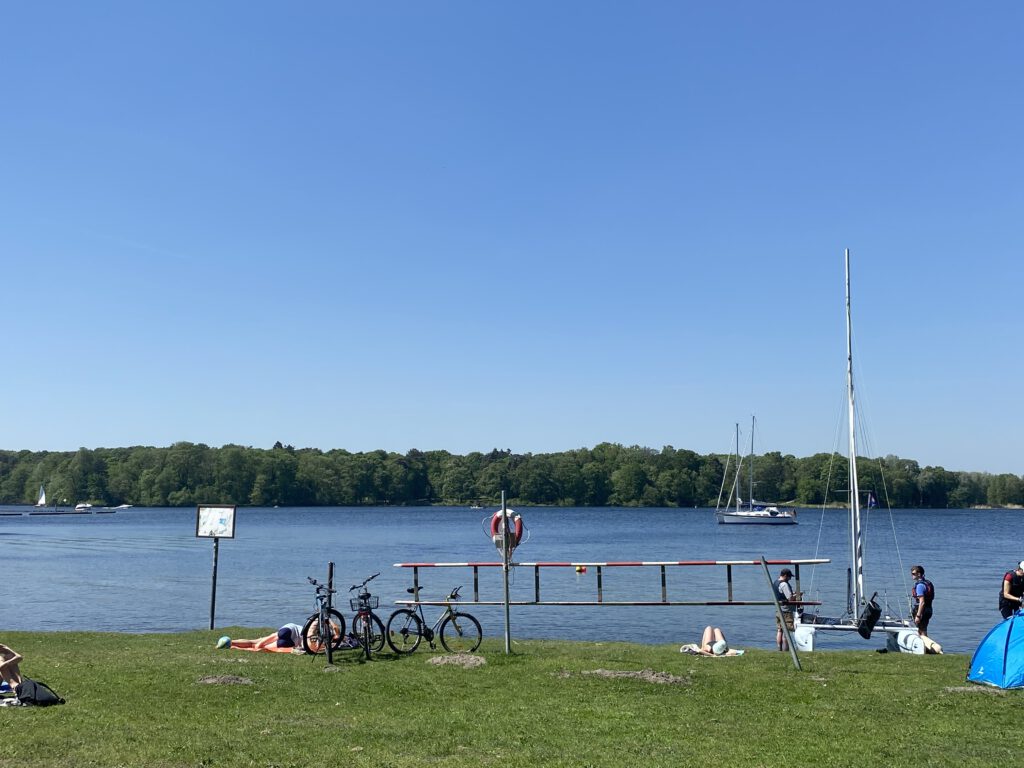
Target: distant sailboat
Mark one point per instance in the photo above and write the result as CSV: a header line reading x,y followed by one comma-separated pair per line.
x,y
756,512
42,497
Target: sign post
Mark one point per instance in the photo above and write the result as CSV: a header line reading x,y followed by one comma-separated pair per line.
x,y
215,521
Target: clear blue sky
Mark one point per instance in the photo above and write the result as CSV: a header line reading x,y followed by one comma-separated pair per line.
x,y
525,225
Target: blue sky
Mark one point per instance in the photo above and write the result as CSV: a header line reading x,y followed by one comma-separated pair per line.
x,y
529,225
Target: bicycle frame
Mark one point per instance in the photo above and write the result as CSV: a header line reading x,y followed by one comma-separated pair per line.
x,y
431,632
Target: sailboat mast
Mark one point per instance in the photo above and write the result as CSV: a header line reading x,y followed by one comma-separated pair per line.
x,y
856,543
736,480
750,500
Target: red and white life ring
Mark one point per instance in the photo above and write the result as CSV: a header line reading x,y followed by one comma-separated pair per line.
x,y
498,528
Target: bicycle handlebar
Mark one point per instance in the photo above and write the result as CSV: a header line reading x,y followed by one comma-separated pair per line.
x,y
320,587
359,586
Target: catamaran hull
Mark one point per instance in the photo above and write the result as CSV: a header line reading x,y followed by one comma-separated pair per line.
x,y
900,637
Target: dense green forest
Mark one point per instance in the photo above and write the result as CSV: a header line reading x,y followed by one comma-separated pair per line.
x,y
608,474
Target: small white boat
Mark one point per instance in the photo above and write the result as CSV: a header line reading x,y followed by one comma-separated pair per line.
x,y
82,507
42,497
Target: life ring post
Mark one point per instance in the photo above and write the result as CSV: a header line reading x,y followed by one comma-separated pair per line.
x,y
506,553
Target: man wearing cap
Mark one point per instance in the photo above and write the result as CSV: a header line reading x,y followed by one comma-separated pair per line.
x,y
1011,596
784,592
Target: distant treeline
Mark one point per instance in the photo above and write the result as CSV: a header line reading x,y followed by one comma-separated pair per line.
x,y
608,474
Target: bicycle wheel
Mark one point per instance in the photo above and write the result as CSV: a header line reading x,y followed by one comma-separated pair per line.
x,y
460,633
376,632
405,630
311,640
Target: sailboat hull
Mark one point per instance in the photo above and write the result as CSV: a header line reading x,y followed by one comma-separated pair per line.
x,y
755,517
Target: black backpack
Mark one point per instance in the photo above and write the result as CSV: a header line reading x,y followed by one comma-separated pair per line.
x,y
39,694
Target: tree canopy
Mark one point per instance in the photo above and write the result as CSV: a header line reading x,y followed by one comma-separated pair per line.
x,y
186,474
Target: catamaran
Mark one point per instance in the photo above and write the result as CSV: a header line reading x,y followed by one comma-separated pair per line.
x,y
755,512
863,614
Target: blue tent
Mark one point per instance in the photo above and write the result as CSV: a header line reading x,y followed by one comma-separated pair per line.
x,y
999,660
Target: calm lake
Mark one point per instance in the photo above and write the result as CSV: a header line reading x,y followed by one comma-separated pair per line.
x,y
143,570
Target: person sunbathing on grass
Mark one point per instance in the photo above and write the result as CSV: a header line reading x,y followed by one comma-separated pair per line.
x,y
712,643
10,667
288,639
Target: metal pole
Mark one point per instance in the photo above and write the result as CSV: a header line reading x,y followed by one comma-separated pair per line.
x,y
330,584
778,613
213,586
504,569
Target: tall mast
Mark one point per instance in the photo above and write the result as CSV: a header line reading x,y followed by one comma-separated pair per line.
x,y
856,544
750,501
736,480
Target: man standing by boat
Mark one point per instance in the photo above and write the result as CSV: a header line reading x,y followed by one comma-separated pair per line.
x,y
784,591
922,595
1011,595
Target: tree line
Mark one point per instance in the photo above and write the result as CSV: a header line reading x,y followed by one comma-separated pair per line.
x,y
608,474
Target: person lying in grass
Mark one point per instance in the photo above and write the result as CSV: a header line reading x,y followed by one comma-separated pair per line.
x,y
288,639
712,643
10,666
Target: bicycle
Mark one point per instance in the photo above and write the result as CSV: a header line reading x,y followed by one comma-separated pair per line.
x,y
459,632
324,631
366,626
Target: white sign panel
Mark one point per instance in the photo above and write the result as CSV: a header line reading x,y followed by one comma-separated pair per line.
x,y
215,521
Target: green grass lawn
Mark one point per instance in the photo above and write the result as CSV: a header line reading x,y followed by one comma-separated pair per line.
x,y
137,700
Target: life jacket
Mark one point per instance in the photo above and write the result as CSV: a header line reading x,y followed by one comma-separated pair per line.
x,y
783,600
929,591
1016,587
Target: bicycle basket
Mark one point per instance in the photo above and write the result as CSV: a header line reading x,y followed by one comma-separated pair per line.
x,y
369,601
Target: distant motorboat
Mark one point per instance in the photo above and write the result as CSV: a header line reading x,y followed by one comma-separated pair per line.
x,y
83,506
123,506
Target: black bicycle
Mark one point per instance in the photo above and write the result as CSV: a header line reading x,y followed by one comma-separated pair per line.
x,y
324,631
459,632
367,628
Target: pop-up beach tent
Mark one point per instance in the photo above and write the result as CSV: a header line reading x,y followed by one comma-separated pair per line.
x,y
999,660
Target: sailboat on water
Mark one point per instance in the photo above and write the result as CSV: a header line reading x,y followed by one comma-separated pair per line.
x,y
863,614
755,512
42,497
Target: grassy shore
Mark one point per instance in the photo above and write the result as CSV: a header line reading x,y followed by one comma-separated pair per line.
x,y
137,700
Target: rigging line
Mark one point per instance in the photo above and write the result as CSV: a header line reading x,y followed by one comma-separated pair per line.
x,y
836,435
869,451
899,553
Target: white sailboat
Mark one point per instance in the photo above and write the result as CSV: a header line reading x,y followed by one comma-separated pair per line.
x,y
755,512
863,614
42,497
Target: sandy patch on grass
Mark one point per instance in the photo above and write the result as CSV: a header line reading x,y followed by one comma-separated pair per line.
x,y
225,680
464,660
644,675
973,689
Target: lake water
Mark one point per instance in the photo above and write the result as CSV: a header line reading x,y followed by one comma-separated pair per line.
x,y
143,570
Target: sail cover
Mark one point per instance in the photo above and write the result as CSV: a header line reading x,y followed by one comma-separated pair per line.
x,y
999,659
